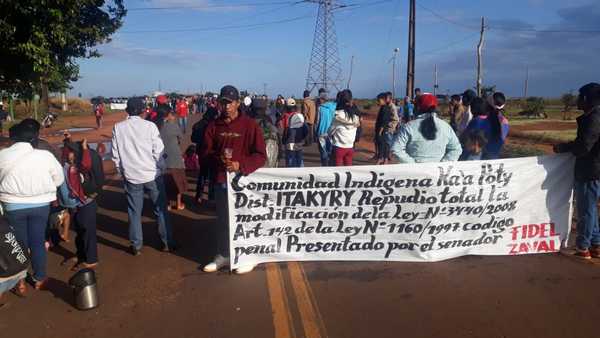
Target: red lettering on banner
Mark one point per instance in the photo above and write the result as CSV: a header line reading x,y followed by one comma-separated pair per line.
x,y
530,231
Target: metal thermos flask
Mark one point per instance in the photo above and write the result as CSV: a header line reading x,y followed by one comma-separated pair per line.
x,y
85,289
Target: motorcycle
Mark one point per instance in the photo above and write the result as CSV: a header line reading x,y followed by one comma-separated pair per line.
x,y
49,119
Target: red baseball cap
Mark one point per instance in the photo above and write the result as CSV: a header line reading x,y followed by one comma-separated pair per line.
x,y
426,102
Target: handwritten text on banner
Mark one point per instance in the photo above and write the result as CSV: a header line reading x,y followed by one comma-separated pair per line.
x,y
417,212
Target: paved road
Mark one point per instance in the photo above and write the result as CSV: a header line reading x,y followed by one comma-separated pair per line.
x,y
166,295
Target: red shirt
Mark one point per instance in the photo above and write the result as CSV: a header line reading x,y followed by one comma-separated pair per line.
x,y
182,108
244,136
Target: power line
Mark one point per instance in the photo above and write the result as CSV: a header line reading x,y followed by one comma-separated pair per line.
x,y
451,44
447,19
211,6
500,28
209,29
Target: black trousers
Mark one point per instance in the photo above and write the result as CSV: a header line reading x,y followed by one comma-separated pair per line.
x,y
86,241
383,148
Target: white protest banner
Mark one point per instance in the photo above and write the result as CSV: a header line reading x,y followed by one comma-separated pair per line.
x,y
414,212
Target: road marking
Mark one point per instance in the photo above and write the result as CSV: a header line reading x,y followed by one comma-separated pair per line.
x,y
307,305
282,318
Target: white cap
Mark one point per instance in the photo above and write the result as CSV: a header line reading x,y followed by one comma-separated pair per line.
x,y
247,101
290,102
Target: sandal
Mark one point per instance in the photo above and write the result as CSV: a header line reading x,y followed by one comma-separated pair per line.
x,y
80,266
41,285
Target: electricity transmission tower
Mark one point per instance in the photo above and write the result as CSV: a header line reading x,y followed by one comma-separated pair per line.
x,y
325,68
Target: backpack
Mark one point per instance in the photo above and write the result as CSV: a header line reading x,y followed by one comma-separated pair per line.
x,y
94,180
13,259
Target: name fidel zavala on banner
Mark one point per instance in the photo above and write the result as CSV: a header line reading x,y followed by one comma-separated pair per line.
x,y
414,212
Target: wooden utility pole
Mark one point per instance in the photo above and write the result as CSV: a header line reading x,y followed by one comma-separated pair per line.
x,y
479,65
526,83
410,68
396,50
435,80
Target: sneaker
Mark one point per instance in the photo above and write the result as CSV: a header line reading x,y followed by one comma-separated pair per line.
x,y
217,264
583,254
244,269
135,251
595,251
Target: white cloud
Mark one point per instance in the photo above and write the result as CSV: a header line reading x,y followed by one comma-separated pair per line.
x,y
197,5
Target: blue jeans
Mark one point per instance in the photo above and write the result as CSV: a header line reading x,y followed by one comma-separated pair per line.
x,y
183,121
9,284
325,150
587,194
135,205
30,229
294,159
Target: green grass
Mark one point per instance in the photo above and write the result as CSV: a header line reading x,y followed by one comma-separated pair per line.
x,y
512,151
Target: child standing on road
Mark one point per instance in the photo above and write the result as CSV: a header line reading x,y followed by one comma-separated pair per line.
x,y
295,131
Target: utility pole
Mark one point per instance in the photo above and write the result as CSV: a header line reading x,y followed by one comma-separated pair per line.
x,y
526,82
410,69
351,69
435,80
264,89
479,65
325,69
396,50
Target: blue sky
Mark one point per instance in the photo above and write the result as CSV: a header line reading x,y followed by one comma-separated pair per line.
x,y
278,54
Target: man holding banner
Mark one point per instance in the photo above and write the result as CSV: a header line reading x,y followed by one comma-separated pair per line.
x,y
586,147
233,143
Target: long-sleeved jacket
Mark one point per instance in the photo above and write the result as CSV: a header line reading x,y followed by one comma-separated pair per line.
x,y
387,120
586,147
343,129
244,136
410,146
326,114
28,175
309,110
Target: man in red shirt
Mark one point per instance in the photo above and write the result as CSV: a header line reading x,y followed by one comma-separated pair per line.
x,y
99,113
232,143
182,112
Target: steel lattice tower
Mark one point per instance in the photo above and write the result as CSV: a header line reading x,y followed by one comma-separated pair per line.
x,y
325,68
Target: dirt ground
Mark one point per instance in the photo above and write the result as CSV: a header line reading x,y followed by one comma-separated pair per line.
x,y
166,295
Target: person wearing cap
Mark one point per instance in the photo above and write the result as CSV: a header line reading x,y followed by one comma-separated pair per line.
x,y
427,138
232,143
325,117
294,135
586,149
30,178
309,112
137,151
343,129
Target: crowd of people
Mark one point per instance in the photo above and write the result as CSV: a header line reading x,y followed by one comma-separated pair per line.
x,y
240,135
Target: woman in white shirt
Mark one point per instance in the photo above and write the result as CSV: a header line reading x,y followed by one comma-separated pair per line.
x,y
28,181
343,129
